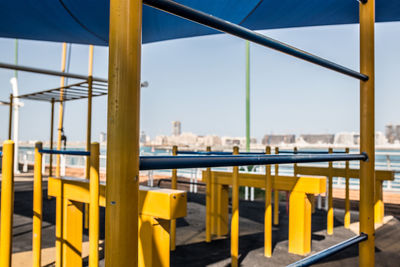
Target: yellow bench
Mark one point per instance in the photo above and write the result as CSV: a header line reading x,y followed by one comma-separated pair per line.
x,y
300,205
156,208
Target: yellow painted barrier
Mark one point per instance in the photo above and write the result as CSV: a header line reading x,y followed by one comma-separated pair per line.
x,y
37,207
94,208
7,203
268,209
276,192
300,237
235,213
157,207
174,185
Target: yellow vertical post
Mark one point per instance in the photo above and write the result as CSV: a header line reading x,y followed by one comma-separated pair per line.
x,y
208,202
37,207
7,203
347,192
295,165
174,185
123,133
235,213
367,132
61,108
379,205
89,124
72,233
268,209
59,200
330,216
94,209
51,136
276,192
10,117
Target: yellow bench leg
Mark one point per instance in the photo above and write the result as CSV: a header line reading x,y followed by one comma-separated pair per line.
x,y
299,223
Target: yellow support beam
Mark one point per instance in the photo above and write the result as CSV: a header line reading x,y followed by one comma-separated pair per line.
x,y
329,218
174,185
367,132
7,203
235,213
276,192
37,207
268,209
94,207
51,136
121,248
208,202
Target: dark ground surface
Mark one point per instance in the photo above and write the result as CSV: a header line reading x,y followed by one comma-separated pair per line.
x,y
191,249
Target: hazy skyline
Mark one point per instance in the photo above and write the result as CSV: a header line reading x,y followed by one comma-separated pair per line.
x,y
201,82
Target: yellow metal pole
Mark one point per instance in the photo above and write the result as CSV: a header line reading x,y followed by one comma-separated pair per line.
x,y
7,203
235,214
61,108
268,209
10,117
174,185
276,192
89,124
367,132
330,201
59,201
51,136
208,202
37,207
123,133
295,165
94,211
347,198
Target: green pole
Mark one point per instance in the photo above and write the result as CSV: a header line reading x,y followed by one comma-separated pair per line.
x,y
247,96
16,58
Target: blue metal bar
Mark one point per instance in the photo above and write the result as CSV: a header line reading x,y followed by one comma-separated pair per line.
x,y
257,153
65,152
242,32
330,251
309,152
181,162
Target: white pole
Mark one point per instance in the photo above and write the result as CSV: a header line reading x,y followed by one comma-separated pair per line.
x,y
246,193
251,193
16,105
195,180
319,202
25,168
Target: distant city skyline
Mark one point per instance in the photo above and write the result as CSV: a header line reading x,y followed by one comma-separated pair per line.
x,y
201,83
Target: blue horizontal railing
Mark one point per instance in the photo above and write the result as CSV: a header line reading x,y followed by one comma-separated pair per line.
x,y
257,153
329,251
65,152
244,33
181,162
309,152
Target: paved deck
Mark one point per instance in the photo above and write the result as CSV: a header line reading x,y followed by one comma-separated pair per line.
x,y
193,251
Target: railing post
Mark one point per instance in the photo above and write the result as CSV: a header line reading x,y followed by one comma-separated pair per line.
x,y
174,185
94,209
268,209
235,214
123,133
37,207
330,201
367,131
276,192
347,191
208,202
7,203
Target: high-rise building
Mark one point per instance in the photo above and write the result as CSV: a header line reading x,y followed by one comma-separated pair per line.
x,y
176,128
103,137
389,133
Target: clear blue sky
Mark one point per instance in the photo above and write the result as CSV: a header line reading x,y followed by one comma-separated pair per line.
x,y
201,82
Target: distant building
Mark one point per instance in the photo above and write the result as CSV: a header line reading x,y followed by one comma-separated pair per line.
x,y
389,133
143,137
276,139
318,138
176,128
103,137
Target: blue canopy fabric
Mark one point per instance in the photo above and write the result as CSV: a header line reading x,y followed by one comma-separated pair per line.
x,y
87,21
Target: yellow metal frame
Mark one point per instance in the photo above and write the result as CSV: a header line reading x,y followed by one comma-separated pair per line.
x,y
235,213
268,209
37,207
7,203
174,185
276,192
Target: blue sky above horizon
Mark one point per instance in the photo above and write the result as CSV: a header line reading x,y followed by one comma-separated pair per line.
x,y
201,82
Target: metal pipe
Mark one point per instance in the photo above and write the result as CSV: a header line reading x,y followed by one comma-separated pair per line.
x,y
276,192
174,185
329,251
242,32
257,153
330,214
65,152
10,117
235,214
37,207
268,209
48,72
209,199
51,136
181,162
179,182
94,208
